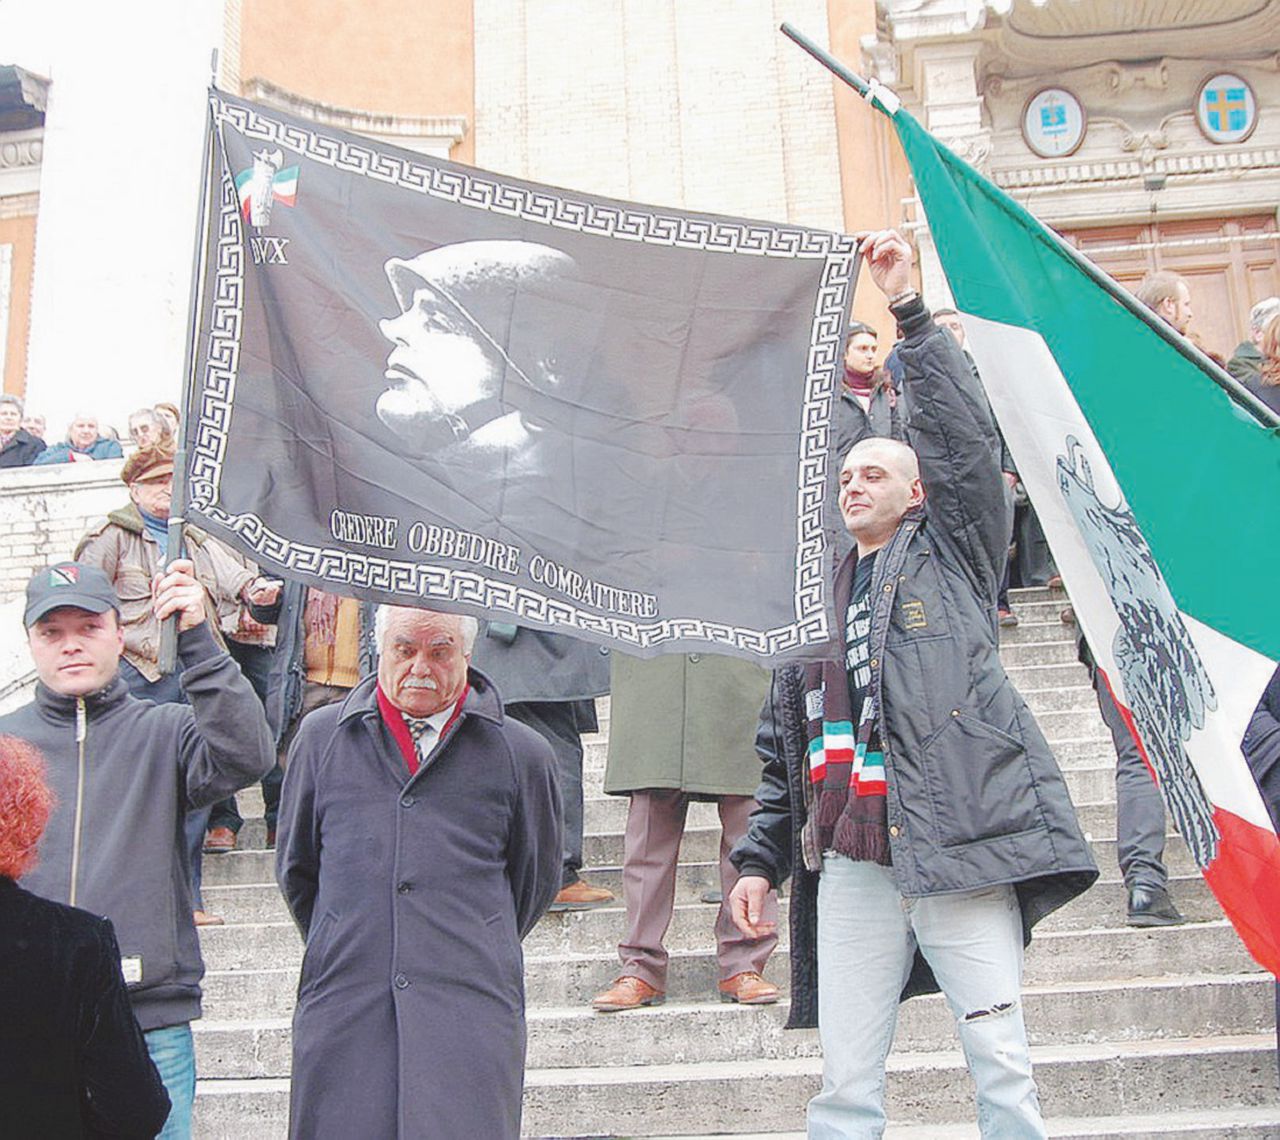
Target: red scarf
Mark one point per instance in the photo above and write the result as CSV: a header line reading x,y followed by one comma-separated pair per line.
x,y
859,383
393,718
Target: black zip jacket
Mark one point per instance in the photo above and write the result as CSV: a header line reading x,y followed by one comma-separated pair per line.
x,y
125,773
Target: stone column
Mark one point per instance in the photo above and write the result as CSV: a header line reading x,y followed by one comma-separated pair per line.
x,y
946,81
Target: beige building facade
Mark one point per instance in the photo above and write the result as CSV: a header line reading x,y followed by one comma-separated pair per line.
x,y
22,106
704,105
1144,186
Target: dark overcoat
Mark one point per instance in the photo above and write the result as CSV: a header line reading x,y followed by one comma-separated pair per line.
x,y
535,665
413,894
21,450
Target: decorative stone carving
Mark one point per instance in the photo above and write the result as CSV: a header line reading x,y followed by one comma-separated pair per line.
x,y
20,152
880,59
1105,17
1122,77
974,149
429,134
1145,143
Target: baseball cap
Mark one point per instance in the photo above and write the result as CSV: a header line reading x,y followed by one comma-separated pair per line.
x,y
69,584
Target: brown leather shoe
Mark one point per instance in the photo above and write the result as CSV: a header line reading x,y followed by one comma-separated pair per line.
x,y
581,895
627,993
271,838
204,918
219,841
748,988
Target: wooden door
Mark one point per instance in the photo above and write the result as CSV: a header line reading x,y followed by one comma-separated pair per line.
x,y
1229,264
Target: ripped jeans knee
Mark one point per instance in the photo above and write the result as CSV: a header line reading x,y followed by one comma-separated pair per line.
x,y
999,1009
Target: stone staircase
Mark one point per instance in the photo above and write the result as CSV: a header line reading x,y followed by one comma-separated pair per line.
x,y
1135,1033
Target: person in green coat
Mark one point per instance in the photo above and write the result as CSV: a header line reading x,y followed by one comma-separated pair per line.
x,y
682,728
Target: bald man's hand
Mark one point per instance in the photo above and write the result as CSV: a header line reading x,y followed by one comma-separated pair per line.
x,y
746,905
888,257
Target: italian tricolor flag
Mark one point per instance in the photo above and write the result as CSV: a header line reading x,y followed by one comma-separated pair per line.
x,y
1159,491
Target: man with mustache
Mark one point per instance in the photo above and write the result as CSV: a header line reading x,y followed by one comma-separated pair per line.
x,y
419,841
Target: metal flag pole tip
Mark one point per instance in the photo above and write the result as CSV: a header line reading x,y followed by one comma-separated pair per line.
x,y
824,57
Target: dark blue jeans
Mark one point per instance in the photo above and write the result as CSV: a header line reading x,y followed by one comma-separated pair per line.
x,y
173,1051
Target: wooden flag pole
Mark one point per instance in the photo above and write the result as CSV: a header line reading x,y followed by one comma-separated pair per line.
x,y
168,657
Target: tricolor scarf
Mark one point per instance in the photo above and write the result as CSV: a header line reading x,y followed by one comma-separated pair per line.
x,y
846,768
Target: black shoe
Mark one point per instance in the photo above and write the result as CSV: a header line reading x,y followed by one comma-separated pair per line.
x,y
1152,906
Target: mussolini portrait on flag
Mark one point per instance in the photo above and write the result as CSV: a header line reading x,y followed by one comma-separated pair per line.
x,y
418,382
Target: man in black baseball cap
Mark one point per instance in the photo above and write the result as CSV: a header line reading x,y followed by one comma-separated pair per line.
x,y
69,584
125,773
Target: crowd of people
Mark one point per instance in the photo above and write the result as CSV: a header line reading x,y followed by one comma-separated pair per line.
x,y
23,443
422,775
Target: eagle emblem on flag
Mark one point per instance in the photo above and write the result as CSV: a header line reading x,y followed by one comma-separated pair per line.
x,y
1166,685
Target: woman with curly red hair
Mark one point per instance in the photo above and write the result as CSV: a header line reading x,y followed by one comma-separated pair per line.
x,y
72,1059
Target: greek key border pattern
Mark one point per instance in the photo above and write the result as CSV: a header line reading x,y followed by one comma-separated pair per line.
x,y
224,310
423,175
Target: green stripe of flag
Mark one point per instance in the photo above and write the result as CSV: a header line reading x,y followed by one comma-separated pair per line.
x,y
1201,474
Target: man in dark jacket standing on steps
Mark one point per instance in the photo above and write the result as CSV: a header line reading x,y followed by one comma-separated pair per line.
x,y
906,783
125,773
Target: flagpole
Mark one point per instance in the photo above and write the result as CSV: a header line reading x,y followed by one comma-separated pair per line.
x,y
168,653
1237,391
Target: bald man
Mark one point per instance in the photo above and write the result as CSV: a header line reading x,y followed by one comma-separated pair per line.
x,y
906,783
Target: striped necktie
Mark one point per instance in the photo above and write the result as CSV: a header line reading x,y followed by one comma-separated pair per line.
x,y
424,736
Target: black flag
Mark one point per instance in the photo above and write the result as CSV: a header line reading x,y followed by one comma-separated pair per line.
x,y
421,383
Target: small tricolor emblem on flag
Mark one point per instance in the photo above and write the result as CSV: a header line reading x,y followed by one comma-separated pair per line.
x,y
265,184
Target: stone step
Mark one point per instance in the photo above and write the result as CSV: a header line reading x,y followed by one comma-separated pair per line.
x,y
1097,813
1045,610
261,901
258,921
1050,628
1033,678
1090,749
923,1088
608,814
606,817
1033,594
1092,788
240,985
1058,726
702,845
1228,1123
1021,653
1061,698
688,1032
